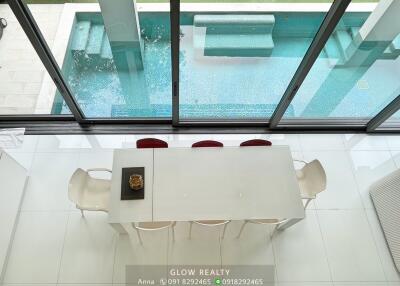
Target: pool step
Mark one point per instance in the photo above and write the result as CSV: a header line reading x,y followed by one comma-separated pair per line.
x,y
236,35
90,45
81,36
197,111
251,45
95,41
106,52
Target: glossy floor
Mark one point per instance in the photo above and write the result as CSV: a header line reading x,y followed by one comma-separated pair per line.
x,y
339,242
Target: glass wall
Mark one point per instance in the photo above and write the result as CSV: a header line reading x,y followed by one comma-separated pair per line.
x,y
236,60
24,81
357,73
115,55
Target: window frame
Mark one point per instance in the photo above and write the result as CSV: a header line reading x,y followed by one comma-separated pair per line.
x,y
274,124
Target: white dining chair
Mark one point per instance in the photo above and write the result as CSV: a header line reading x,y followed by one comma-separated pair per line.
x,y
89,193
210,223
154,226
312,180
274,222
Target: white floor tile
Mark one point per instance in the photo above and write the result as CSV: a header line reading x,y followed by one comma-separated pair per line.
x,y
202,249
396,158
47,187
131,252
342,191
351,249
254,247
393,142
59,143
370,166
384,253
103,142
317,142
89,249
291,140
348,247
28,146
363,142
24,159
299,252
37,248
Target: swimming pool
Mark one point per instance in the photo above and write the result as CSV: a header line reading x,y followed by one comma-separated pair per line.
x,y
220,87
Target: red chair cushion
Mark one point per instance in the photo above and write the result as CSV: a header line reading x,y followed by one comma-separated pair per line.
x,y
207,143
151,143
256,142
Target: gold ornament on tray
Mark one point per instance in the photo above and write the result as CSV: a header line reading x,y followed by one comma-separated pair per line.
x,y
136,182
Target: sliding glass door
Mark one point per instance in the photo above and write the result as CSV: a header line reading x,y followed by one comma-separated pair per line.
x,y
236,60
357,73
276,64
114,55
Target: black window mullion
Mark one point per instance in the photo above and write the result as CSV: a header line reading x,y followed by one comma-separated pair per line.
x,y
175,35
384,115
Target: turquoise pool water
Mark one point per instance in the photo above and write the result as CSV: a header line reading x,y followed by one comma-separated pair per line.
x,y
219,86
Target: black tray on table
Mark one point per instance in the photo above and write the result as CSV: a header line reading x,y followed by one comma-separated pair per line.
x,y
126,192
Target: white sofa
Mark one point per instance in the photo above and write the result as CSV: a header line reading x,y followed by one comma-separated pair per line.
x,y
385,195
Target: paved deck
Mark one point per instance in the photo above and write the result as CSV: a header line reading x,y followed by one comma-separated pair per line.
x,y
21,71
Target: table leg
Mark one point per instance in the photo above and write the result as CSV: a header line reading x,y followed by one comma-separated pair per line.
x,y
121,228
289,223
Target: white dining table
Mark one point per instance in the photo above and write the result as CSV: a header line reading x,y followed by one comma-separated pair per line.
x,y
187,184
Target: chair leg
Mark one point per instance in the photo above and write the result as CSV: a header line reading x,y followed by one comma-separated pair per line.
x,y
273,230
307,202
241,229
83,215
173,232
190,229
139,236
224,230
